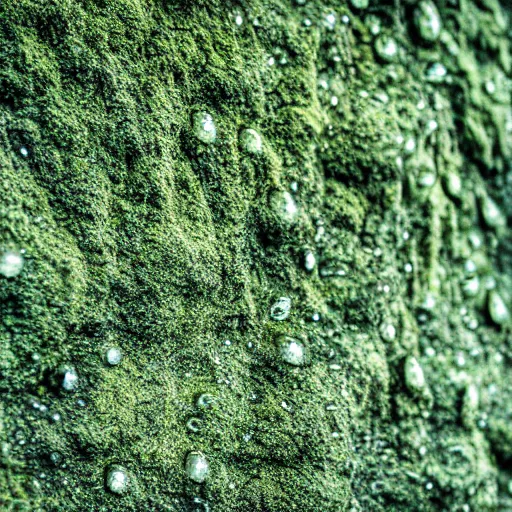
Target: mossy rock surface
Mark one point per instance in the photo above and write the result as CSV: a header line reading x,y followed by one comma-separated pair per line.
x,y
137,232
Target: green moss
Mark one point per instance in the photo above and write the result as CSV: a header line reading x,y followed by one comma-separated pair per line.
x,y
137,235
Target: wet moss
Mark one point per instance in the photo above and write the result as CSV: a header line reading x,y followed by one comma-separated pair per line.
x,y
136,234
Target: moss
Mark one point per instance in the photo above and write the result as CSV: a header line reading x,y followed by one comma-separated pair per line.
x,y
137,235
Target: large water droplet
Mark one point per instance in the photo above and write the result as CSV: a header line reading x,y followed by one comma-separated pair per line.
x,y
204,127
11,263
428,21
497,308
414,376
284,206
250,141
280,310
113,356
292,350
70,379
196,467
117,480
386,48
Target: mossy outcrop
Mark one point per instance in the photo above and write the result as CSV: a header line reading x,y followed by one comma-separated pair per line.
x,y
378,203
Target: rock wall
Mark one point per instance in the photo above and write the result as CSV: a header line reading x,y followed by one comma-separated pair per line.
x,y
255,256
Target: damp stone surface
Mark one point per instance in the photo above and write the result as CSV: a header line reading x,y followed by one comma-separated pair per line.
x,y
190,183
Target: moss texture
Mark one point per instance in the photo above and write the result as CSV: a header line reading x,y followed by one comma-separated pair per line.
x,y
137,235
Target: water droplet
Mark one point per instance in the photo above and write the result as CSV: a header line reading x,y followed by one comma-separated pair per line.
x,y
424,167
436,72
429,302
284,206
250,141
410,146
428,21
309,261
373,23
453,184
471,286
414,376
386,48
470,267
194,424
497,308
491,213
280,310
388,331
11,263
206,401
117,480
490,87
292,351
56,458
360,4
431,127
113,356
204,127
196,467
330,21
70,379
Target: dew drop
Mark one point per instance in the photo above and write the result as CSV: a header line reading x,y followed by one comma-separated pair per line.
x,y
428,21
330,21
113,356
11,263
360,4
414,376
250,141
117,480
280,310
388,331
471,286
194,424
386,48
498,310
292,350
70,379
196,467
491,213
204,127
206,401
284,206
